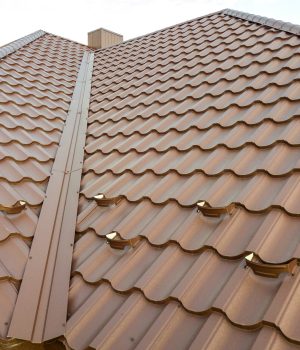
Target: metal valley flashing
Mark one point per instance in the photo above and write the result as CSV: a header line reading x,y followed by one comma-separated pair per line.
x,y
41,308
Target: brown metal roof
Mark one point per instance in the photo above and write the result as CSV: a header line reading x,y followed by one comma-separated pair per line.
x,y
198,119
38,76
41,309
203,111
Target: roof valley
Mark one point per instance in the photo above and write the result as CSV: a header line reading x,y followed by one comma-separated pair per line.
x,y
203,113
38,315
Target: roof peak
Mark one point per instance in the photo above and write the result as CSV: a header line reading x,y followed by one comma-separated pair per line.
x,y
266,21
17,44
270,22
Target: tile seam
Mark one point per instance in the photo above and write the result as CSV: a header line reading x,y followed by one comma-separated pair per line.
x,y
197,171
187,149
215,124
258,325
140,199
193,110
114,74
171,242
120,99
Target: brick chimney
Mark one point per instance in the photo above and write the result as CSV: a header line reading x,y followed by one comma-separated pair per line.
x,y
101,38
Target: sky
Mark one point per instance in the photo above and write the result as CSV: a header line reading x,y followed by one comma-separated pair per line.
x,y
73,19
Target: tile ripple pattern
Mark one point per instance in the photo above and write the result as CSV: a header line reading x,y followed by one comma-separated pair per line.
x,y
207,109
36,86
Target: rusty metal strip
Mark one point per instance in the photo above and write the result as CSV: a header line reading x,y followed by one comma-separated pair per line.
x,y
41,308
18,44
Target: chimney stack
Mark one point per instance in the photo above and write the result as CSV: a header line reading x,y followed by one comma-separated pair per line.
x,y
101,38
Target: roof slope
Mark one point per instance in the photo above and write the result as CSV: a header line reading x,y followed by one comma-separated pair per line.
x,y
36,86
205,110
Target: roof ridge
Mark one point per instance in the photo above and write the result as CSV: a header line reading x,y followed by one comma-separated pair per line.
x,y
19,43
160,30
267,21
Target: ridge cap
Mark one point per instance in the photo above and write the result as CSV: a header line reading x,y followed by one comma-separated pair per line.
x,y
267,21
15,45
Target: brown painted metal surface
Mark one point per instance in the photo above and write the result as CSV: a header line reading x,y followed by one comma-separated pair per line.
x,y
208,111
41,308
37,79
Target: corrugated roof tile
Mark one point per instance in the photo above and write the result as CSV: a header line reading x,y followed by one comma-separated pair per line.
x,y
35,93
243,232
120,325
205,110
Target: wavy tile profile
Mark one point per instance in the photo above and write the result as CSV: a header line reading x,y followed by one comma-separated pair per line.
x,y
230,237
191,164
281,160
200,283
207,110
36,88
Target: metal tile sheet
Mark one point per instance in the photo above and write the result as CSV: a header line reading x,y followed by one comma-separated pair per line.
x,y
258,193
262,136
31,192
170,224
14,253
280,160
281,111
204,110
201,283
41,308
37,81
22,224
112,320
21,153
8,298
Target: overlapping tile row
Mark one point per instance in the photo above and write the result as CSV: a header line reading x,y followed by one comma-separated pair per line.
x,y
36,86
258,193
280,160
231,237
264,135
280,112
196,94
207,110
200,38
201,283
113,320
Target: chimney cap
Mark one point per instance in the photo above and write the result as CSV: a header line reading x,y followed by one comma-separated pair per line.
x,y
102,38
106,30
